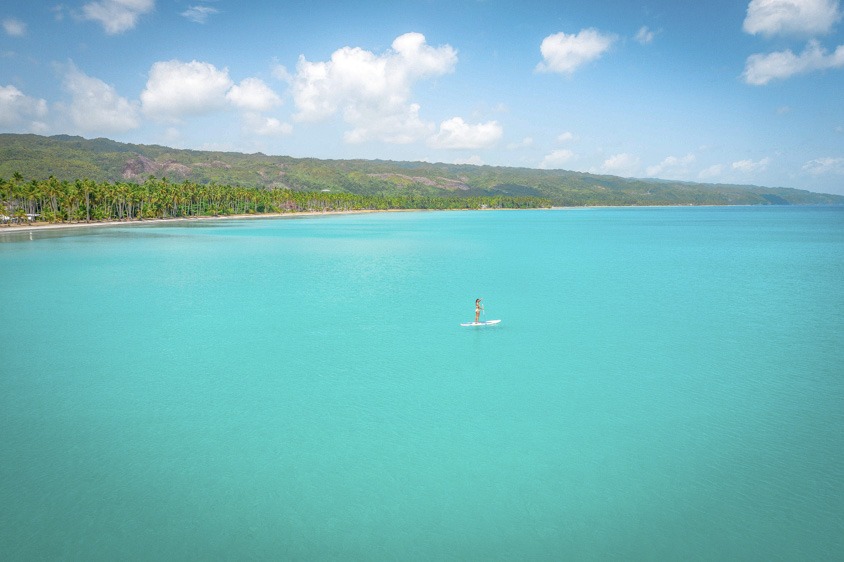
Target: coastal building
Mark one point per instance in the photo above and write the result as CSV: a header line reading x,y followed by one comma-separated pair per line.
x,y
29,217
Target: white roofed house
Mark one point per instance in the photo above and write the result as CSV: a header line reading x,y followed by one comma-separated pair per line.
x,y
17,216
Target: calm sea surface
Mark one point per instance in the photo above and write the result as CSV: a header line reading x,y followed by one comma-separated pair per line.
x,y
665,384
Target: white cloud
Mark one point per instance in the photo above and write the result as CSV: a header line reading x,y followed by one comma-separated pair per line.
x,y
566,137
402,125
254,95
672,167
791,17
749,166
644,36
175,89
456,133
371,92
556,159
565,53
620,165
14,27
761,69
713,171
265,126
280,72
473,160
199,14
823,166
117,16
16,108
524,143
95,106
419,59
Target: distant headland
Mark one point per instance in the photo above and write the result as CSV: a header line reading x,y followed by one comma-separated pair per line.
x,y
69,179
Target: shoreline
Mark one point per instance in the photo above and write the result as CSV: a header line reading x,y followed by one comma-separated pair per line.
x,y
10,228
30,227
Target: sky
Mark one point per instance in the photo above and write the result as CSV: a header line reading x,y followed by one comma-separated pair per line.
x,y
714,91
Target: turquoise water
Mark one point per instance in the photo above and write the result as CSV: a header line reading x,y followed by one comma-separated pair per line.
x,y
665,384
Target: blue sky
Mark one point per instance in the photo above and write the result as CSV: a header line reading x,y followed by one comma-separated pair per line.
x,y
743,91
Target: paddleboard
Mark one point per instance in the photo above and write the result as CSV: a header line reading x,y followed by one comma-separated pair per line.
x,y
486,323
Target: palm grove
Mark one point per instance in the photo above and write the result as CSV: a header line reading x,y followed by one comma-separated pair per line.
x,y
53,200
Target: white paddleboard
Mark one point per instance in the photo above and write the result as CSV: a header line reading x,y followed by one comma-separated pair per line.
x,y
486,323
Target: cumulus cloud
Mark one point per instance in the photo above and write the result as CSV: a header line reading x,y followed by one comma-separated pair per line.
x,y
791,17
402,125
566,53
253,94
117,16
14,27
644,36
96,106
524,143
371,91
713,171
199,14
620,165
823,166
456,133
671,167
565,137
556,159
281,73
761,69
264,126
749,166
175,89
18,109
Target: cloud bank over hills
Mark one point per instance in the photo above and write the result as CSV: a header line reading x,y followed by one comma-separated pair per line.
x,y
644,89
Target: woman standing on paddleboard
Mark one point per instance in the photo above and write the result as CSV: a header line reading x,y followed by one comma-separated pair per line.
x,y
478,309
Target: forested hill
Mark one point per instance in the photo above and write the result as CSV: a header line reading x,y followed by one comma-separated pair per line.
x,y
103,160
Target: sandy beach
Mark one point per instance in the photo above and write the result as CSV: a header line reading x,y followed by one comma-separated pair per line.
x,y
39,226
9,228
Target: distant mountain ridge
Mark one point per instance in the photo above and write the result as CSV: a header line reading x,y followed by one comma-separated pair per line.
x,y
70,157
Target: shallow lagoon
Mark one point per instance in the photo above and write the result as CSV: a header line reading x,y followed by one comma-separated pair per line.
x,y
665,384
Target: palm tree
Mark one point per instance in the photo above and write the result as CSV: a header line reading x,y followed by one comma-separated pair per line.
x,y
15,189
53,190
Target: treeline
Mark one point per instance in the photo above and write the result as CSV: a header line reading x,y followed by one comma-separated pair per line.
x,y
54,200
104,160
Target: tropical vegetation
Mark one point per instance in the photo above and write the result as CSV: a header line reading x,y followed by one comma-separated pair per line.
x,y
210,181
54,200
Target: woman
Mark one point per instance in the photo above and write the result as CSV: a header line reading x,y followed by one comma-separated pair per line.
x,y
478,309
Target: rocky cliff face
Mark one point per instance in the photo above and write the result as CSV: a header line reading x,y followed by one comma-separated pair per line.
x,y
141,167
442,183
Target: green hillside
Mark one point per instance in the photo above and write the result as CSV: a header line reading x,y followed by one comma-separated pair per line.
x,y
103,160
